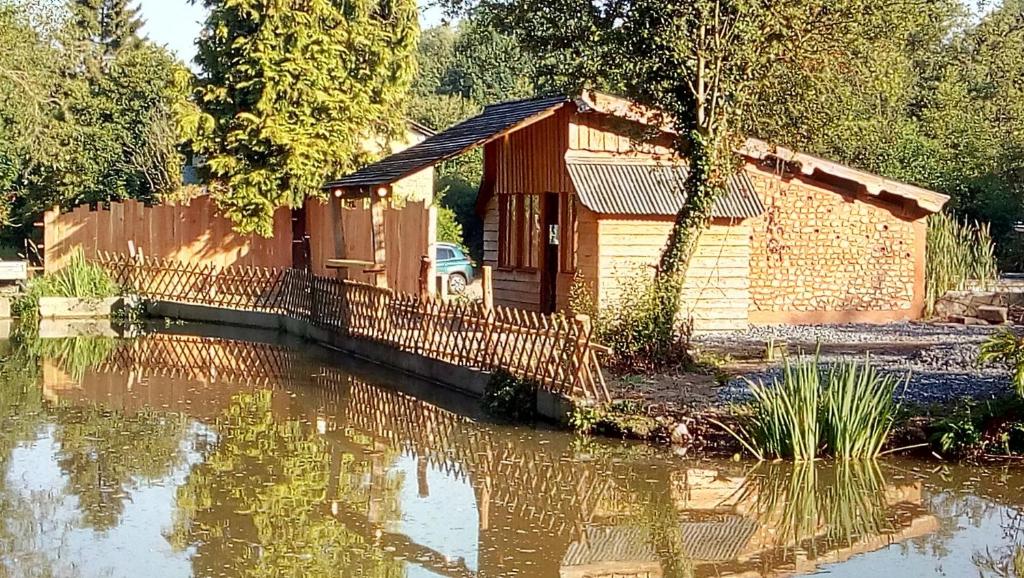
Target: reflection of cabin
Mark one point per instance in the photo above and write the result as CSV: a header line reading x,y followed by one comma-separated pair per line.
x,y
569,190
370,237
536,504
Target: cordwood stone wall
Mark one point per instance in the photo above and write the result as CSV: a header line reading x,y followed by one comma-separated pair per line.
x,y
818,249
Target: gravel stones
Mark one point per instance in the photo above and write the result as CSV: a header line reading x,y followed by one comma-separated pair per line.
x,y
941,359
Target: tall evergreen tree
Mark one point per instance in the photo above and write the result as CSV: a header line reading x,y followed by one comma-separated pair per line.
x,y
291,91
110,25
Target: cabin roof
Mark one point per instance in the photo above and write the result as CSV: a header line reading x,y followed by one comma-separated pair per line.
x,y
627,186
500,119
718,540
494,121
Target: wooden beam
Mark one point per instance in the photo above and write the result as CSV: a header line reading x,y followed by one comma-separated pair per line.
x,y
377,240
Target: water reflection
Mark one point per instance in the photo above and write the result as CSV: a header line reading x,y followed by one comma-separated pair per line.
x,y
178,455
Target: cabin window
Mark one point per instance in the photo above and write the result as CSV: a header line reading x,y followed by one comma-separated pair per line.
x,y
567,230
519,226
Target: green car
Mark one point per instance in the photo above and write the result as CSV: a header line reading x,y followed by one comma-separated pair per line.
x,y
454,261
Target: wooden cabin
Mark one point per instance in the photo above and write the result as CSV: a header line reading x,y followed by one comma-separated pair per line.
x,y
571,190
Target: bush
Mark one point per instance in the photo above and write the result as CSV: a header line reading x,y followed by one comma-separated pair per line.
x,y
850,416
640,326
79,278
1005,347
510,397
957,253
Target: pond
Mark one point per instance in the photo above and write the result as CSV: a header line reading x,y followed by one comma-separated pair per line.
x,y
186,455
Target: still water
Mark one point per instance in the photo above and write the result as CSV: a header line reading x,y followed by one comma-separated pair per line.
x,y
182,455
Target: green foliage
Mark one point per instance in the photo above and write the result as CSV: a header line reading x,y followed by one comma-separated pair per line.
x,y
958,253
848,415
259,502
79,278
510,397
1007,348
448,228
640,326
461,69
290,93
90,112
976,429
858,410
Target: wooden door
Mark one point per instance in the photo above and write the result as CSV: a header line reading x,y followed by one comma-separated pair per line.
x,y
549,267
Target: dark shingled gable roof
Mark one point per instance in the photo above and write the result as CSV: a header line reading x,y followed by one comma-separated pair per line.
x,y
623,186
493,121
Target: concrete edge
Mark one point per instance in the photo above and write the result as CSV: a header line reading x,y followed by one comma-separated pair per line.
x,y
550,406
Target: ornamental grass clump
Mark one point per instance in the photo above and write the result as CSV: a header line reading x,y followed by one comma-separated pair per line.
x,y
958,253
847,413
79,278
858,410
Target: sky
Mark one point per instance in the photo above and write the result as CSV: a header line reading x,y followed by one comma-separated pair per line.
x,y
176,23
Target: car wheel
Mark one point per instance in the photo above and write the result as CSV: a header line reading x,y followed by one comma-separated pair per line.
x,y
457,283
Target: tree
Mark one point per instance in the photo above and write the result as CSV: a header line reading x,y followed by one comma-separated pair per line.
x,y
290,92
701,66
110,25
461,70
85,117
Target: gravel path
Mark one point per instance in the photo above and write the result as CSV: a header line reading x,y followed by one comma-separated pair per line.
x,y
941,359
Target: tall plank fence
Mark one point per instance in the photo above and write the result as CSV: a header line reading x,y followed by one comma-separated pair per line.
x,y
196,232
553,350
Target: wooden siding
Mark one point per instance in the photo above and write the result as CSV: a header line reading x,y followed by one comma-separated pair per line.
x,y
601,133
409,233
194,232
519,289
717,291
532,160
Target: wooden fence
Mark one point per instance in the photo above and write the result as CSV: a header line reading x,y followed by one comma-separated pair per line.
x,y
196,232
553,350
192,231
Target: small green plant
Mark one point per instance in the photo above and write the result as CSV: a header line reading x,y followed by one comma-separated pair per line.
x,y
1005,347
849,414
958,253
640,326
79,278
859,410
585,418
509,397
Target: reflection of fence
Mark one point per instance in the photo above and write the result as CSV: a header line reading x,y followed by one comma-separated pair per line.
x,y
555,351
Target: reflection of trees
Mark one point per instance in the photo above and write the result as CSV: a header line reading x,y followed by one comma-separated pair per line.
x,y
258,505
104,453
1002,563
22,520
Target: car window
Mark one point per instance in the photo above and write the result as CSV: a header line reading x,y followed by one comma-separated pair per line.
x,y
444,253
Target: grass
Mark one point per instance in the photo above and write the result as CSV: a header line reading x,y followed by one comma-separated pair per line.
x,y
1006,347
79,278
958,252
849,414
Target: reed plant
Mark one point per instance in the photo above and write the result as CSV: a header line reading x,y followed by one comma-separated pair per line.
x,y
848,413
79,278
958,253
858,410
1006,347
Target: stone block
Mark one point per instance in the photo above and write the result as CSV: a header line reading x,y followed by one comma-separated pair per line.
x,y
993,314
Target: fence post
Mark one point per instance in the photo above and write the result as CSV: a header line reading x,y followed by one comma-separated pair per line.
x,y
488,287
425,280
584,326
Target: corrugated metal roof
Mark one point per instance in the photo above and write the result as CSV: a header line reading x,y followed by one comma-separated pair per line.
x,y
478,130
631,187
717,540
